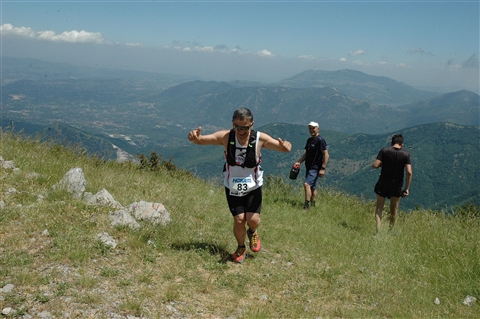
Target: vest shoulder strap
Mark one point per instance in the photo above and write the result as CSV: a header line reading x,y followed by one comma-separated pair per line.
x,y
250,156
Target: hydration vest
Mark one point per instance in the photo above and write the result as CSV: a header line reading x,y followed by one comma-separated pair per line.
x,y
250,155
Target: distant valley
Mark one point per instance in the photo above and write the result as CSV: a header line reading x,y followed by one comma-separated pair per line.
x,y
157,110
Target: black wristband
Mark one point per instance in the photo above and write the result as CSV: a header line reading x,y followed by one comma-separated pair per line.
x,y
322,169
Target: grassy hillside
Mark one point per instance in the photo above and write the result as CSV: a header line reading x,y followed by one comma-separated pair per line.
x,y
324,263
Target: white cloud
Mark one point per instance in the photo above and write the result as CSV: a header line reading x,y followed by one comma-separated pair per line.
x,y
358,62
73,36
8,29
356,52
265,53
342,60
306,57
133,44
83,36
203,49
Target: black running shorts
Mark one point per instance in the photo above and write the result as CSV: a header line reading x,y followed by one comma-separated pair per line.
x,y
387,191
249,203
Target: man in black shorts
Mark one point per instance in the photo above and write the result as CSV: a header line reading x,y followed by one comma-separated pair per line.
x,y
393,160
243,175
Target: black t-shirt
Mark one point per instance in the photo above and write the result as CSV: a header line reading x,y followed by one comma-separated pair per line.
x,y
393,165
315,147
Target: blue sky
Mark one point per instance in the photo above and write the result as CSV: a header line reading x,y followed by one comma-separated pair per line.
x,y
427,44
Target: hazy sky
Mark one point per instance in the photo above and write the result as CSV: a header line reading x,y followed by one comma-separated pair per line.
x,y
422,43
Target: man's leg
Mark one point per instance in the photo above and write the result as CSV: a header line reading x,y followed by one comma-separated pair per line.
x,y
308,196
239,219
314,196
309,186
253,221
394,203
378,211
308,192
239,230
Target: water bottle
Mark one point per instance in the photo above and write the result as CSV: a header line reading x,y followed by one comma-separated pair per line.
x,y
294,172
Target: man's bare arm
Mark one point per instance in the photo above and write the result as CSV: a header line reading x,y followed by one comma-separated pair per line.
x,y
408,177
217,138
275,144
326,156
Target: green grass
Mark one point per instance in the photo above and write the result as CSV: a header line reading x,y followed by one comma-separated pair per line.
x,y
325,263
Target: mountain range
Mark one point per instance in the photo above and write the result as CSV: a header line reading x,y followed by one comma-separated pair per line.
x,y
111,111
377,89
158,110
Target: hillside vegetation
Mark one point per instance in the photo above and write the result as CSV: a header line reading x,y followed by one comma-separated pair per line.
x,y
324,263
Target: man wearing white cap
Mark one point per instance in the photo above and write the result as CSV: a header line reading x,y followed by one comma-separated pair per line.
x,y
316,159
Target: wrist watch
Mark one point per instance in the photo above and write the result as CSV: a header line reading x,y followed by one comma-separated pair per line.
x,y
322,169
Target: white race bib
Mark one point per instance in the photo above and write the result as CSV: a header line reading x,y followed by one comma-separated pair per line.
x,y
239,186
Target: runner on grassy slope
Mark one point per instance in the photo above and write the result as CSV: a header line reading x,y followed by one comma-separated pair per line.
x,y
243,175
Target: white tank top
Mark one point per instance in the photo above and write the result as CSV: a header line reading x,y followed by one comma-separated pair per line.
x,y
242,180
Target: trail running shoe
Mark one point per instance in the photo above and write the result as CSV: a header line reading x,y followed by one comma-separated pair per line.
x,y
239,255
255,243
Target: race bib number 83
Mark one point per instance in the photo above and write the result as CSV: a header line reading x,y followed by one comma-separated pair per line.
x,y
241,185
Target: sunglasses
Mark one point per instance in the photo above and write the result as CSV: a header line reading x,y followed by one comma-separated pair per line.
x,y
241,128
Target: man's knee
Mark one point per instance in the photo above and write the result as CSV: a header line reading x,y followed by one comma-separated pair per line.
x,y
239,219
394,203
